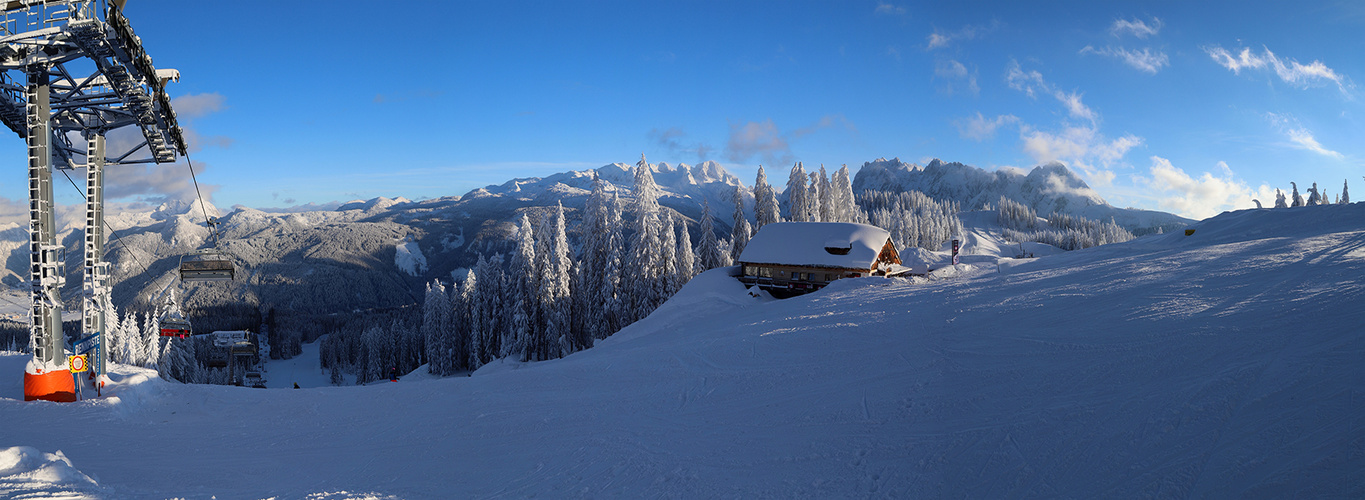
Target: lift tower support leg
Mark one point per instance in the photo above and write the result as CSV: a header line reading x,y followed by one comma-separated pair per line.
x,y
96,301
46,376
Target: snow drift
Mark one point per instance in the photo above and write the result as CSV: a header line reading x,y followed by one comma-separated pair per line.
x,y
1224,363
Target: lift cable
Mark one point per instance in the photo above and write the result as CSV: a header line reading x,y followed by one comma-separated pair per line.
x,y
111,230
207,221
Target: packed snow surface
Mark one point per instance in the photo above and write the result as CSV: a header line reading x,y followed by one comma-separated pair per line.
x,y
1226,363
408,257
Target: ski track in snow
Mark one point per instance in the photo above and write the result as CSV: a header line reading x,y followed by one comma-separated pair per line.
x,y
1227,363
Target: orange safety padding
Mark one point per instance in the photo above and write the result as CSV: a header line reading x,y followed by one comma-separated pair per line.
x,y
51,386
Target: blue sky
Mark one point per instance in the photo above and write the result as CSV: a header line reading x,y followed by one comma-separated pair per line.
x,y
1187,107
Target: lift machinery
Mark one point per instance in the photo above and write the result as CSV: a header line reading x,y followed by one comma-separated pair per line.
x,y
73,71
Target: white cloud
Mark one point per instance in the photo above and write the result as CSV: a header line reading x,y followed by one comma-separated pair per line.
x,y
156,183
1290,71
980,128
1032,82
1081,147
956,77
190,106
1203,197
890,9
1023,81
1144,60
672,139
1074,106
757,138
1135,27
1300,137
939,39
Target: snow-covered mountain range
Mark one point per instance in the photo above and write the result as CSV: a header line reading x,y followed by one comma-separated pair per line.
x,y
378,253
1046,189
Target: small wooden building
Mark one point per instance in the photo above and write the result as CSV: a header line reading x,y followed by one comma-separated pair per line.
x,y
790,258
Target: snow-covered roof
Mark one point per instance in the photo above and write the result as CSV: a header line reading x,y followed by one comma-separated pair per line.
x,y
805,243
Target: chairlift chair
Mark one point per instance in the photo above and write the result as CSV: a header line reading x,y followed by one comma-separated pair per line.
x,y
173,327
206,265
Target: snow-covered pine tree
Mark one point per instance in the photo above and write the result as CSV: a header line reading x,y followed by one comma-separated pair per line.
x,y
177,362
436,311
1298,200
709,255
1314,199
523,286
845,204
560,334
766,210
668,246
687,261
741,231
491,289
643,267
472,333
609,292
1345,193
824,195
798,207
1279,199
151,341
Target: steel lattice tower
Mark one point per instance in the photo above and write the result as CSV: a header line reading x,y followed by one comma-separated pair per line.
x,y
84,74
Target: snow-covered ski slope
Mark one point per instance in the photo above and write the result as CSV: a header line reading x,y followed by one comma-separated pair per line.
x,y
1227,363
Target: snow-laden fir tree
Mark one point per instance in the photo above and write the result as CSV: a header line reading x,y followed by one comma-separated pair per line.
x,y
766,210
709,255
151,340
668,246
845,207
473,320
1314,199
178,363
740,232
559,334
643,268
798,204
609,290
436,311
522,287
687,261
1279,199
824,194
1345,193
1298,200
489,299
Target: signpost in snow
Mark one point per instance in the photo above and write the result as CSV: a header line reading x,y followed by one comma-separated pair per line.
x,y
78,363
956,245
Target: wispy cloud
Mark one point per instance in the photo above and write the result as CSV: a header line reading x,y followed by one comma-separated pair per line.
x,y
1032,83
1300,137
1143,60
1198,198
158,183
757,139
955,77
980,128
674,140
941,39
1082,147
1288,70
764,140
190,106
827,121
1135,27
891,9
